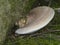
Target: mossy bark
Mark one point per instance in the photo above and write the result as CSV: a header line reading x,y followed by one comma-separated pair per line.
x,y
10,12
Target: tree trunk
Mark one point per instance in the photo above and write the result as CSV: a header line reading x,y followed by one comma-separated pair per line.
x,y
10,12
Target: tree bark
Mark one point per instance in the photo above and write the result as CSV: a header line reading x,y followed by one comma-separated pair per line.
x,y
10,12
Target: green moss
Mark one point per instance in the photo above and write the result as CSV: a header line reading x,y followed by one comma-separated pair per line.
x,y
49,38
10,11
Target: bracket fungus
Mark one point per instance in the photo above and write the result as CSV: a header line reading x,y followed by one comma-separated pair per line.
x,y
37,18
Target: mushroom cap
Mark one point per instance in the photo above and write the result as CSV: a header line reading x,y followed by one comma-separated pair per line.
x,y
43,15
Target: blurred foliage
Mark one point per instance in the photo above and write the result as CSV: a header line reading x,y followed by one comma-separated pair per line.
x,y
52,30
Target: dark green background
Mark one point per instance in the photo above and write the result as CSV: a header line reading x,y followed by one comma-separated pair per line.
x,y
49,35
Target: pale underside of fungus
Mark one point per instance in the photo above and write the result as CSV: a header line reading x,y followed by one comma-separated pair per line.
x,y
37,18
